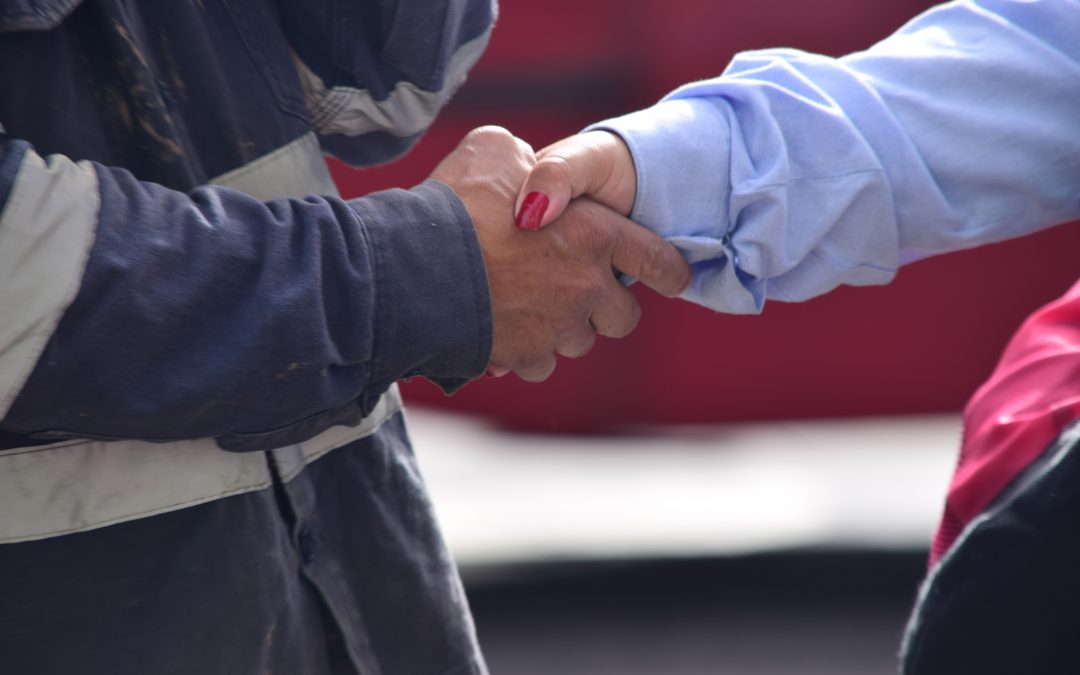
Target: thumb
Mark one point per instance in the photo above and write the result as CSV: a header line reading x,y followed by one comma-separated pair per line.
x,y
596,164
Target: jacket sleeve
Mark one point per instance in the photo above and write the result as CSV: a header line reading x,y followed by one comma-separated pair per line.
x,y
133,311
375,74
797,172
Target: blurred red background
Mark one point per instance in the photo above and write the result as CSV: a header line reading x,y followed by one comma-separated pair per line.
x,y
921,344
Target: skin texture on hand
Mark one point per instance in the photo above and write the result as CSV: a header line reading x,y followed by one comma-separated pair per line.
x,y
552,290
595,164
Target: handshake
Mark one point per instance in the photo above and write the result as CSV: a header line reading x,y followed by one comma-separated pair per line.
x,y
555,288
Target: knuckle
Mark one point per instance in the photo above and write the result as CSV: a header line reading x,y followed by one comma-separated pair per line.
x,y
491,135
581,346
491,131
526,150
656,265
627,320
538,371
672,273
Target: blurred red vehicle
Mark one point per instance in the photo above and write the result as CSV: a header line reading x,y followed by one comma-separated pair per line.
x,y
921,344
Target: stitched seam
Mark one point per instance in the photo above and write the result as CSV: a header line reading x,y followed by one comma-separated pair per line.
x,y
813,179
12,452
849,268
371,253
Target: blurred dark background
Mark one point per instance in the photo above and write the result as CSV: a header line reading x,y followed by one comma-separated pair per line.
x,y
790,614
920,345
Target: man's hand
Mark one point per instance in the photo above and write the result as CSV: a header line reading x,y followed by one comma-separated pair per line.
x,y
552,291
595,164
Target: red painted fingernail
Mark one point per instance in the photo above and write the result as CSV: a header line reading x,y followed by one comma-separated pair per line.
x,y
533,208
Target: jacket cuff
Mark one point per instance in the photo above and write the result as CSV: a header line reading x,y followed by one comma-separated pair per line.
x,y
432,313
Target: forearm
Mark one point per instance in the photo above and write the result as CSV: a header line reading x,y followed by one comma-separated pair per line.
x,y
211,313
800,172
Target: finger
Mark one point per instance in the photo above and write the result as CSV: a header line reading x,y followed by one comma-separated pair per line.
x,y
576,344
618,312
537,371
575,166
645,256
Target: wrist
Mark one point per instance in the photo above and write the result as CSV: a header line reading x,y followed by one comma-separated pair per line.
x,y
433,308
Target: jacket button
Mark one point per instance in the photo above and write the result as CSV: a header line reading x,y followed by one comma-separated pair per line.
x,y
308,543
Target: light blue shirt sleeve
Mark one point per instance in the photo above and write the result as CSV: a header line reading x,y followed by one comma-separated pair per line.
x,y
793,173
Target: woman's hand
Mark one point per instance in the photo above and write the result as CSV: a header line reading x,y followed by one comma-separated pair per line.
x,y
596,164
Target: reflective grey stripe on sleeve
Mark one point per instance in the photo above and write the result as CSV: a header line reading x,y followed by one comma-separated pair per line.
x,y
407,111
293,170
74,486
50,490
46,232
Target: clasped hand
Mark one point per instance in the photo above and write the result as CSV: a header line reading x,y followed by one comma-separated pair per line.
x,y
552,284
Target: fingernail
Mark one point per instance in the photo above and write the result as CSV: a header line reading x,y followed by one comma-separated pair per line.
x,y
495,371
532,211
